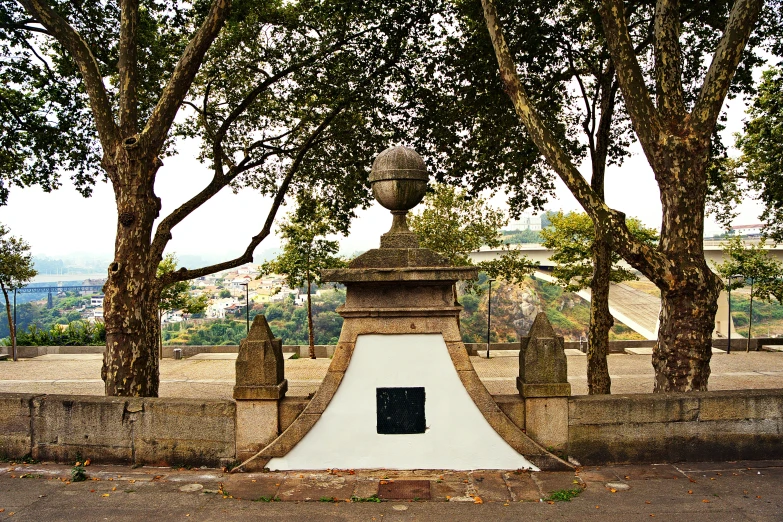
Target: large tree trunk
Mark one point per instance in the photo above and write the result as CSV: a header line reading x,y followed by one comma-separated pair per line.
x,y
689,290
750,320
132,292
11,329
601,321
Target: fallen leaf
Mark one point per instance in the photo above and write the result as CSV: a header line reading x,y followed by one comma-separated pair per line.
x,y
275,484
689,478
253,480
712,478
706,501
758,496
506,504
690,492
597,507
92,491
78,464
114,488
647,502
627,477
477,500
652,514
105,495
87,462
550,501
613,490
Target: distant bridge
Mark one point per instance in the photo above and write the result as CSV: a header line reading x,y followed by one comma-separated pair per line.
x,y
56,289
634,308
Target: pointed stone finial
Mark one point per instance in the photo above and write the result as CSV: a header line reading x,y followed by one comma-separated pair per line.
x,y
259,367
543,370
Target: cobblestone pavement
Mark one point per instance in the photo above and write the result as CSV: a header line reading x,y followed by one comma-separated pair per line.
x,y
722,491
214,377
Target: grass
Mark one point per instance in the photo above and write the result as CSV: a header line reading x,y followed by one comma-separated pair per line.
x,y
372,498
267,499
563,495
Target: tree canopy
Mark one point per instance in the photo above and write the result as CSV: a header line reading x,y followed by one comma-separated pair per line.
x,y
16,270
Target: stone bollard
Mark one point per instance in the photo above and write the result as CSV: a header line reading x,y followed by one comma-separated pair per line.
x,y
543,384
260,385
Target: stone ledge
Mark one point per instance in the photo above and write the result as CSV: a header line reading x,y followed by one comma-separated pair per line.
x,y
536,390
242,393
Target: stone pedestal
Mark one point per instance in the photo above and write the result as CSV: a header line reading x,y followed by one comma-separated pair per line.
x,y
543,383
260,385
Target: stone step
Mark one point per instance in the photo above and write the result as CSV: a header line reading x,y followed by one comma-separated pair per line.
x,y
772,348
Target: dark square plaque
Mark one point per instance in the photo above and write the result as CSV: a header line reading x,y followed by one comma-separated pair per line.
x,y
400,410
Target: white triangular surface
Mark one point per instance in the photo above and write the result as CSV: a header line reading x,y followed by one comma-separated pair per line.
x,y
457,435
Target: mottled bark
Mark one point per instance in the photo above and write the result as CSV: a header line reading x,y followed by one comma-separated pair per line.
x,y
676,148
132,291
601,321
750,320
310,335
11,329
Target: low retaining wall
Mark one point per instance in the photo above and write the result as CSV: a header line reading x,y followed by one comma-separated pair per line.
x,y
150,431
697,426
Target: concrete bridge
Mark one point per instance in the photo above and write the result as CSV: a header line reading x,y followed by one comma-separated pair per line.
x,y
636,309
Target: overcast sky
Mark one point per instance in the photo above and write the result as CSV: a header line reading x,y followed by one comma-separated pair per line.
x,y
62,223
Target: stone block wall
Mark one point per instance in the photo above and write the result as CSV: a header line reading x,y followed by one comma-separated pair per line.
x,y
698,426
148,431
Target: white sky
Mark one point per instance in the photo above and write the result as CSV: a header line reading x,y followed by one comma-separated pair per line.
x,y
63,223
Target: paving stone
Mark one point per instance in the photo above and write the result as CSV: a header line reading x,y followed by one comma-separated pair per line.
x,y
316,486
522,486
252,486
490,486
647,472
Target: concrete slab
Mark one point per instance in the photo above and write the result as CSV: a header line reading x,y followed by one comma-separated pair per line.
x,y
573,352
639,351
717,351
772,348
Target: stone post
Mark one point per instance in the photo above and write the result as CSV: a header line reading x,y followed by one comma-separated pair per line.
x,y
543,384
260,385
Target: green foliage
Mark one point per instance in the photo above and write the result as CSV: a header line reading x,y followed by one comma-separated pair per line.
x,y
176,296
78,474
753,265
762,149
16,261
521,237
571,236
77,333
224,294
453,224
563,495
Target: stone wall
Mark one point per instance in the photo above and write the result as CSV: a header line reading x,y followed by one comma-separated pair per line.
x,y
149,431
698,426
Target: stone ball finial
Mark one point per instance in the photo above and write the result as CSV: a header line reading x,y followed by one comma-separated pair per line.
x,y
399,178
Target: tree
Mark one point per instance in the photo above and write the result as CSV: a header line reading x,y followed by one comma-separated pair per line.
x,y
16,269
453,224
754,266
306,251
762,150
675,134
572,236
176,296
273,84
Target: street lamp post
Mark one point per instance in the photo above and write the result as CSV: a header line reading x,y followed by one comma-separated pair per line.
x,y
247,307
489,313
15,331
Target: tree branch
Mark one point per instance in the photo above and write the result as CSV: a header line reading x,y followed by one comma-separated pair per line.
x,y
108,132
742,19
668,61
641,256
159,123
163,234
637,99
128,67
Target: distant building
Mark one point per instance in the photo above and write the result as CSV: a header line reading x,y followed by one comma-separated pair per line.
x,y
747,230
96,300
524,223
98,313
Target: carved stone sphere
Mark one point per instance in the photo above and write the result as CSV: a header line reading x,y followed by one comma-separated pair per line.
x,y
399,178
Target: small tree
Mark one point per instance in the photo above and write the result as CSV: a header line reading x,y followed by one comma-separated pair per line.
x,y
753,266
453,224
16,269
176,296
572,236
306,251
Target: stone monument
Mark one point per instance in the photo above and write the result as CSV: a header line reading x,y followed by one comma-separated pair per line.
x,y
260,385
543,383
401,391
